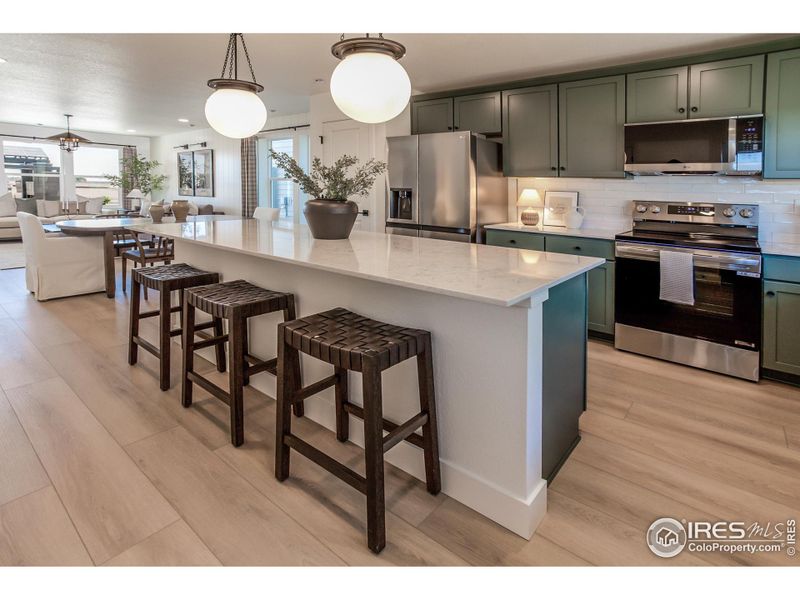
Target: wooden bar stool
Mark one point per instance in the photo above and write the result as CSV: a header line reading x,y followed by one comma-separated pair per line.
x,y
351,342
166,279
235,301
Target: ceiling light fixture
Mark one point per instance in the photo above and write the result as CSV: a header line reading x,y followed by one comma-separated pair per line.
x,y
2,60
369,85
183,120
234,109
66,139
131,130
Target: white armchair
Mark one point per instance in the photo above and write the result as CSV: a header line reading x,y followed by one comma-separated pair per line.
x,y
56,267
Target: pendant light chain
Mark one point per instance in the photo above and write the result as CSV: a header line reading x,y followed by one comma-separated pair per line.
x,y
231,64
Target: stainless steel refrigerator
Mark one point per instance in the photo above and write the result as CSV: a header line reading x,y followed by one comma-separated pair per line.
x,y
445,185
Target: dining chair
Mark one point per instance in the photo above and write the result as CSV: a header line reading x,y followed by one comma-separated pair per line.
x,y
158,249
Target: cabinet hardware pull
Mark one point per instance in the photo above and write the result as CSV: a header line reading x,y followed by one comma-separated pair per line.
x,y
681,110
576,247
694,109
449,128
563,168
553,169
770,294
512,241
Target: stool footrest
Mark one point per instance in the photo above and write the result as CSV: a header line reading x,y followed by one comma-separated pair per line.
x,y
177,331
154,313
147,346
314,388
331,465
401,432
212,388
210,341
389,426
256,365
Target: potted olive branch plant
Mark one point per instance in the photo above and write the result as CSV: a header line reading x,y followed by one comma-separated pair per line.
x,y
330,214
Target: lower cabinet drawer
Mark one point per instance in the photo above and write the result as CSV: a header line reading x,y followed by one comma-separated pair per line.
x,y
581,246
782,268
514,239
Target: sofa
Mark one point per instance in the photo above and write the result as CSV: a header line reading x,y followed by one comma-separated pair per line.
x,y
47,211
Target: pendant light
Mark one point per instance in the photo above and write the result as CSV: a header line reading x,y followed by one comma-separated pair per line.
x,y
369,85
67,140
233,109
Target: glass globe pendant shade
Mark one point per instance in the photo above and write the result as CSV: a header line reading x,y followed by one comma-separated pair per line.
x,y
371,87
235,113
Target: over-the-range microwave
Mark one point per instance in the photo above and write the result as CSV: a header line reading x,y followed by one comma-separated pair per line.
x,y
731,146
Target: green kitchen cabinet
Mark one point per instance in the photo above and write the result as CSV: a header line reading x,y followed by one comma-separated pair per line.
x,y
591,118
657,95
514,239
782,116
601,298
432,116
480,113
726,88
530,132
781,334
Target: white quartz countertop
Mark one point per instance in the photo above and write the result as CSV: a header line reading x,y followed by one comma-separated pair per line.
x,y
599,234
779,249
489,274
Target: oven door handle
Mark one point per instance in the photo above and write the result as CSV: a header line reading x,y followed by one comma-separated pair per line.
x,y
726,261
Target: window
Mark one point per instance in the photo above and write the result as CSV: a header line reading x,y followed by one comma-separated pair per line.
x,y
91,165
32,169
275,190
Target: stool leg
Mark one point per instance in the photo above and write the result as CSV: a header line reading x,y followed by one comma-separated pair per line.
x,y
342,399
164,325
236,325
219,348
430,433
289,314
125,274
133,331
187,341
283,411
373,454
246,346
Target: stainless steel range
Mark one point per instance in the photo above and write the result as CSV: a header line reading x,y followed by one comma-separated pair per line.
x,y
688,285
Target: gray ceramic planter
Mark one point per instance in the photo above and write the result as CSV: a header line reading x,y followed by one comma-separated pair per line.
x,y
330,219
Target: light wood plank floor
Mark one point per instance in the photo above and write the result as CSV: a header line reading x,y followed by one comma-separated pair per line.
x,y
98,466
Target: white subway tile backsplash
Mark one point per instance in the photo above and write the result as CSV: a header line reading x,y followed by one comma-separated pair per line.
x,y
608,202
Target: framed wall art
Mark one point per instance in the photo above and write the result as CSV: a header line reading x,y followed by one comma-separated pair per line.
x,y
204,173
557,205
185,174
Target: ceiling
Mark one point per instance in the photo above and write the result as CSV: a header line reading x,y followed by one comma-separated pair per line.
x,y
146,82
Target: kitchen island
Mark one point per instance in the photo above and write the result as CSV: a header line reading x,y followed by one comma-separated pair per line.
x,y
509,343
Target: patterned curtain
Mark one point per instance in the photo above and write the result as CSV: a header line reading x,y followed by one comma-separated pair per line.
x,y
249,177
127,153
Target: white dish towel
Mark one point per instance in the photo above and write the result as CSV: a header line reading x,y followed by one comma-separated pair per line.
x,y
677,277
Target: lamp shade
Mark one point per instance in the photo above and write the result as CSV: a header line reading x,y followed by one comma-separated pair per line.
x,y
235,113
529,197
370,87
135,194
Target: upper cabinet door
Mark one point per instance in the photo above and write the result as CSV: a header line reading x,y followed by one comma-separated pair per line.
x,y
782,116
658,95
530,132
432,116
726,88
591,120
479,113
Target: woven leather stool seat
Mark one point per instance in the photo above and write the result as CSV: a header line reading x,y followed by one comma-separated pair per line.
x,y
173,277
167,279
351,342
236,301
240,297
341,338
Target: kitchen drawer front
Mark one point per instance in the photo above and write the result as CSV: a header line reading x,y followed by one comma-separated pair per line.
x,y
782,268
601,298
581,246
513,239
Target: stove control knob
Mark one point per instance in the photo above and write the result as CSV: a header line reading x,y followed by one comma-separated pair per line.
x,y
641,208
746,213
729,212
655,209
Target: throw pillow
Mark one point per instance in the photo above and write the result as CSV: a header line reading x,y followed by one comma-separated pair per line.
x,y
206,209
48,208
8,208
89,206
26,205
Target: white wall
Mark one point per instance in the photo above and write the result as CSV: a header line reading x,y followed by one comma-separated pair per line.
x,y
608,201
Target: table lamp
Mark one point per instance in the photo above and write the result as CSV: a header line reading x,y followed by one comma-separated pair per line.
x,y
529,198
135,194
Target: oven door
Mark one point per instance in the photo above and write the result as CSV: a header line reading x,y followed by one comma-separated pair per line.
x,y
727,289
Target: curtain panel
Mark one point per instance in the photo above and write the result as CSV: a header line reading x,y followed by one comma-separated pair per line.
x,y
249,176
127,154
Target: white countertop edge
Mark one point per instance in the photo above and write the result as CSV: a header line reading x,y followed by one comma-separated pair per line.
x,y
594,233
536,294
